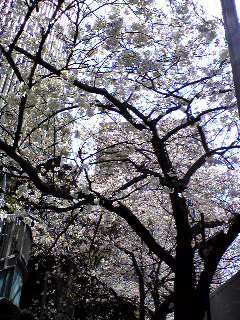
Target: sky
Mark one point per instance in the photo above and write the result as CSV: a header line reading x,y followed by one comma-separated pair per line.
x,y
214,7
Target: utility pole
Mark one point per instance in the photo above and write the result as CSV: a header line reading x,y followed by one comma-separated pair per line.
x,y
232,33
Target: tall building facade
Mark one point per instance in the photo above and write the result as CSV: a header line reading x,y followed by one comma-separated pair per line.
x,y
15,234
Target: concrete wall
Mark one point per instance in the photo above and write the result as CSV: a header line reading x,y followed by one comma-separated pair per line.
x,y
225,301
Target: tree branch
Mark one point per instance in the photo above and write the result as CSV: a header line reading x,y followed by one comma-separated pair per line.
x,y
198,164
141,231
122,106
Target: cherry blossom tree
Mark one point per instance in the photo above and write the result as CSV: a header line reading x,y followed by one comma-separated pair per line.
x,y
119,137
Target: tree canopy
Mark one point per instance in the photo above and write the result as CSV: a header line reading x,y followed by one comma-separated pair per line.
x,y
119,138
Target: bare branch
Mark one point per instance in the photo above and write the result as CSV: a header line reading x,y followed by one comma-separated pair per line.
x,y
198,164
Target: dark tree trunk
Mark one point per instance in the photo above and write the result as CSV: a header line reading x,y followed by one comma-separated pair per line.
x,y
216,246
202,303
184,282
184,293
160,315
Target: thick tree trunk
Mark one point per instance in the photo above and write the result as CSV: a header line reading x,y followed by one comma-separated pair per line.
x,y
184,293
159,316
232,32
184,282
218,246
202,303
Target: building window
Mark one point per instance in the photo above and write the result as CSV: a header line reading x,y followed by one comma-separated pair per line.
x,y
5,282
16,287
15,248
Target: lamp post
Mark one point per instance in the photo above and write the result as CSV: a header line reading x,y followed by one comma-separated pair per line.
x,y
232,32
